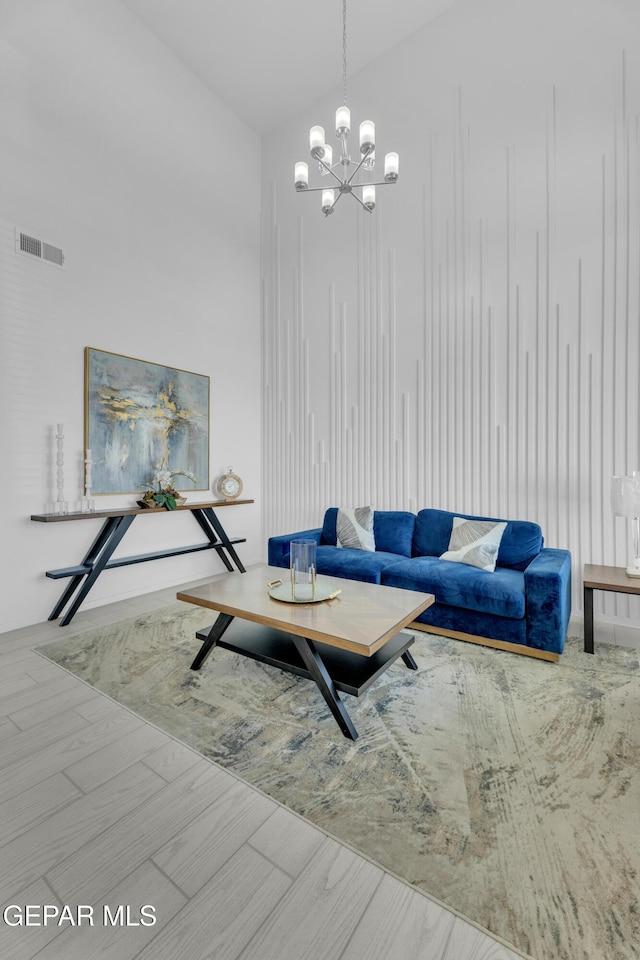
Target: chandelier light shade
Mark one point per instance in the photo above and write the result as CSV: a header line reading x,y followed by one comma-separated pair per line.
x,y
343,121
369,196
328,200
364,192
391,164
625,502
367,137
316,142
302,175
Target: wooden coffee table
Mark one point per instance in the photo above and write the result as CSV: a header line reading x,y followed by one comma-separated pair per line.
x,y
343,644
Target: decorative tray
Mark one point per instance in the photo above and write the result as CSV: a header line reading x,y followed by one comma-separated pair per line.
x,y
281,590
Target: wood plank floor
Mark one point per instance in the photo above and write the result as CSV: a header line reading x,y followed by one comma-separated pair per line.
x,y
99,808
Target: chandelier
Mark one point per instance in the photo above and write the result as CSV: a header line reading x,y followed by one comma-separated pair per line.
x,y
322,152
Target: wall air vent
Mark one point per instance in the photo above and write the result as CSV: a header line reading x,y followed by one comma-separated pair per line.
x,y
32,247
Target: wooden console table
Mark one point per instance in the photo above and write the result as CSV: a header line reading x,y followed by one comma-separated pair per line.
x,y
116,523
612,579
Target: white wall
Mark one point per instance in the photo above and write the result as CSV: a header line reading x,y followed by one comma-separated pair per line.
x,y
112,150
473,344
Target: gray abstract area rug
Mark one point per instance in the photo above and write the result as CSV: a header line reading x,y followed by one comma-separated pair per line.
x,y
506,787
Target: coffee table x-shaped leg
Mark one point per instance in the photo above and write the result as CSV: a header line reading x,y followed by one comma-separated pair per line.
x,y
282,655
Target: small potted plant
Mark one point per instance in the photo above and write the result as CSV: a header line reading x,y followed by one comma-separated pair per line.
x,y
164,494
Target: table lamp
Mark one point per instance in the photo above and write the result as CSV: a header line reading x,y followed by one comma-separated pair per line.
x,y
625,501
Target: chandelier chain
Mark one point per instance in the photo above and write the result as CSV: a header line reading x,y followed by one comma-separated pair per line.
x,y
344,52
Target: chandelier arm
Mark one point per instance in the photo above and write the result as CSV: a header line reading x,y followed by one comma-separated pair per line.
x,y
332,207
363,205
375,183
332,172
312,190
362,160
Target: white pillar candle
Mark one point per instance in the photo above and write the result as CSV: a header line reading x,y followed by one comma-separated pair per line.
x,y
369,196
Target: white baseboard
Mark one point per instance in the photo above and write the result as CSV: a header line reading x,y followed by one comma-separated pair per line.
x,y
626,633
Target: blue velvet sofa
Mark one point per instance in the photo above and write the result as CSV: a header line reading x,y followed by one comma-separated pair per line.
x,y
523,606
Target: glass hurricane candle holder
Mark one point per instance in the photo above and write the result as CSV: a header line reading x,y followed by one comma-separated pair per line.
x,y
302,562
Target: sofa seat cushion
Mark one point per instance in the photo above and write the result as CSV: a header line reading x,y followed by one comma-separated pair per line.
x,y
521,541
353,564
472,623
500,593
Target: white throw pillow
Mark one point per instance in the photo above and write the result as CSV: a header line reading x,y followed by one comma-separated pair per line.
x,y
475,542
354,528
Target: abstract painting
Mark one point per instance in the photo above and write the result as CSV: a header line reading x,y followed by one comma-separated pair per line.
x,y
139,415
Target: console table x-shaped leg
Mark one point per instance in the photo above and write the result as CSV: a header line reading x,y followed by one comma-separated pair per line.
x,y
93,563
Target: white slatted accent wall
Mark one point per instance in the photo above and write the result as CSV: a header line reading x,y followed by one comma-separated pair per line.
x,y
521,396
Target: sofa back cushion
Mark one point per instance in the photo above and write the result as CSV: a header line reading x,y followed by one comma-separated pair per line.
x,y
521,541
392,530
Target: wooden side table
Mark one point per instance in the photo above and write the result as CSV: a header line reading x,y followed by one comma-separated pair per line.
x,y
611,579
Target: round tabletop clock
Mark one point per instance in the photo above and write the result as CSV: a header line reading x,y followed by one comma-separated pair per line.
x,y
229,485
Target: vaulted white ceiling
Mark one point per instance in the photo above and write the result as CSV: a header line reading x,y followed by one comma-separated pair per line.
x,y
267,59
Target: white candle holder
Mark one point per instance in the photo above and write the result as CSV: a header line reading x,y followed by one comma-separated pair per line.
x,y
88,505
61,505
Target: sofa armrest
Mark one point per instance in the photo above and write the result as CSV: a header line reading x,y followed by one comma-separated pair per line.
x,y
278,547
547,588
